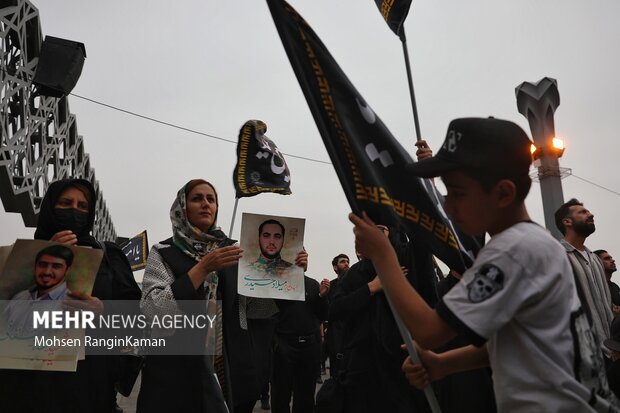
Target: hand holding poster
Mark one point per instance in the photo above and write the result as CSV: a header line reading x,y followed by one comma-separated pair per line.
x,y
370,163
37,277
267,268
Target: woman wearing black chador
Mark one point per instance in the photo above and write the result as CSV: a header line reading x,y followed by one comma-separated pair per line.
x,y
67,216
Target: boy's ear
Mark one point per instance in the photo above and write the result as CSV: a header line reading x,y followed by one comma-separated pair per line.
x,y
506,191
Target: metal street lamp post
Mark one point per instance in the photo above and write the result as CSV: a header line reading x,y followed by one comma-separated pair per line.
x,y
538,102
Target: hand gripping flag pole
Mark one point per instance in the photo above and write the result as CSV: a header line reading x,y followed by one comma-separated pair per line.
x,y
404,333
395,12
368,160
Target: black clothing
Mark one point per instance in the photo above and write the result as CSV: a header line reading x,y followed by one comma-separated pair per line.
x,y
613,376
182,383
296,351
47,225
469,391
179,383
422,275
299,318
334,335
371,369
91,387
294,373
615,292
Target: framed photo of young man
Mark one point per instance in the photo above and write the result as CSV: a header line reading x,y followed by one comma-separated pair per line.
x,y
36,278
267,268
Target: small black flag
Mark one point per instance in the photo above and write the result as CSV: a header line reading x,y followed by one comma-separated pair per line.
x,y
369,162
394,13
260,165
136,249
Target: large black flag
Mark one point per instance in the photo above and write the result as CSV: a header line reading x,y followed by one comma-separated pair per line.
x,y
394,13
260,165
369,162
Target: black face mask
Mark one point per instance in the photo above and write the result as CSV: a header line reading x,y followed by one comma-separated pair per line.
x,y
70,219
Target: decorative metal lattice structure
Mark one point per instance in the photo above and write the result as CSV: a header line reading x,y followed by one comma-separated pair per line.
x,y
39,142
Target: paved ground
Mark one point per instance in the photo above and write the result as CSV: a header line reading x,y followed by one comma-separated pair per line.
x,y
128,404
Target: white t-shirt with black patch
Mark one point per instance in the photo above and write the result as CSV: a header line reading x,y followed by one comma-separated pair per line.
x,y
518,298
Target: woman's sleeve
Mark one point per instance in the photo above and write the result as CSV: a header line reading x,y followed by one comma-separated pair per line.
x,y
157,295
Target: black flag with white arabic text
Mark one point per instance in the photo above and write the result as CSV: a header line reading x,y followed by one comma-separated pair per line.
x,y
260,165
136,250
394,13
369,162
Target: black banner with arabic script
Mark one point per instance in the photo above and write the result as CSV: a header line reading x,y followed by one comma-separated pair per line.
x,y
136,250
260,165
394,13
369,162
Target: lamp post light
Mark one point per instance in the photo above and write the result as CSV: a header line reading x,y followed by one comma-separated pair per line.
x,y
538,102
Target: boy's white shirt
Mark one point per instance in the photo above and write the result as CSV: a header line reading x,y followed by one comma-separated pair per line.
x,y
519,295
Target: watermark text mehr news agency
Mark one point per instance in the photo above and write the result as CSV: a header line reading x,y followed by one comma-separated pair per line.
x,y
87,319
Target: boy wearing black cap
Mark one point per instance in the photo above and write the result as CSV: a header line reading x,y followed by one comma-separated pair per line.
x,y
517,304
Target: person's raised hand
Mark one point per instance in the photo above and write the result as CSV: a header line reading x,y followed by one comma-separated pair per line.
x,y
424,151
324,287
369,240
422,374
375,285
220,258
65,237
301,260
79,301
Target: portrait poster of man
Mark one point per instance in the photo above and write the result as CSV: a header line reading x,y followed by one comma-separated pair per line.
x,y
267,268
38,275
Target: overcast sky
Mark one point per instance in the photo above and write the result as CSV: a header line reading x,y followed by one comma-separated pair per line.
x,y
211,65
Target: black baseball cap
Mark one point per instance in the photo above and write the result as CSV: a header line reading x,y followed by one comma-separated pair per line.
x,y
482,143
613,343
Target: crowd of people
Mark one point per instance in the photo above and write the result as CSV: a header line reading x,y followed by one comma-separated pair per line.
x,y
531,326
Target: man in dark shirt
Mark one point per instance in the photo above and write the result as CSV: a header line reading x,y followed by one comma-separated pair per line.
x,y
340,264
609,264
370,369
468,391
613,344
335,328
296,351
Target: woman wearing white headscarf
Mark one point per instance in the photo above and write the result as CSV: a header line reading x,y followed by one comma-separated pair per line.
x,y
199,263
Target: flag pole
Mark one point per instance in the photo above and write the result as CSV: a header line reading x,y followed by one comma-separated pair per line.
x,y
234,215
404,333
428,391
427,183
416,121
